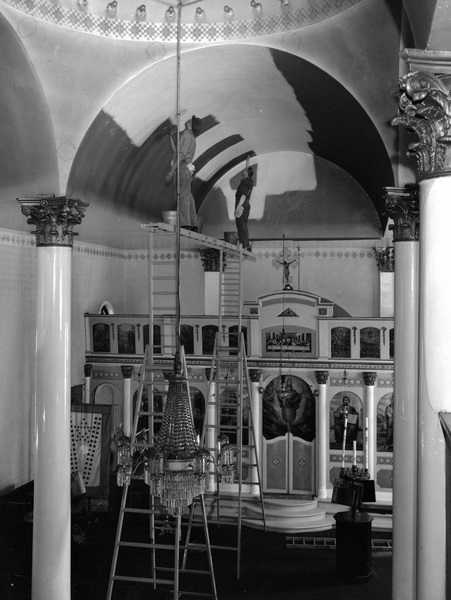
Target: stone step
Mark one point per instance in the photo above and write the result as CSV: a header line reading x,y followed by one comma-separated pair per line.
x,y
290,515
299,512
292,525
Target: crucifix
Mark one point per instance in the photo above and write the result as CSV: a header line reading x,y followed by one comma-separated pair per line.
x,y
285,260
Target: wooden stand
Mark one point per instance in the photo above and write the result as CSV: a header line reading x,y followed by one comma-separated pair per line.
x,y
353,545
353,530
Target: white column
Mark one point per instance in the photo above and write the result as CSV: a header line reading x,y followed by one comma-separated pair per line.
x,y
370,412
402,205
384,257
88,373
211,433
54,219
127,372
424,110
52,500
256,407
434,386
211,292
322,437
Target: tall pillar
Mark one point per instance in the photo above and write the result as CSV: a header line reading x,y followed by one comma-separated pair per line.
x,y
424,109
127,372
370,411
54,219
88,375
403,207
211,440
322,429
211,259
256,404
385,262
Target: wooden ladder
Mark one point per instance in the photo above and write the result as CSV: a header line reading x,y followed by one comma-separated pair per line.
x,y
142,519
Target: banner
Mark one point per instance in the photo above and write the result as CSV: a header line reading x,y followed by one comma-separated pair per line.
x,y
90,426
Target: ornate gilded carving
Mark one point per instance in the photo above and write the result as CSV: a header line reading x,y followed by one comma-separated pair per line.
x,y
369,378
425,109
403,206
127,371
322,376
385,258
54,218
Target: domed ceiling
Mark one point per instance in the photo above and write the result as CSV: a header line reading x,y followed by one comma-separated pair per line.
x,y
311,90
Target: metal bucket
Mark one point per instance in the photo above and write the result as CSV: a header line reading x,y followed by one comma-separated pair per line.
x,y
231,237
169,217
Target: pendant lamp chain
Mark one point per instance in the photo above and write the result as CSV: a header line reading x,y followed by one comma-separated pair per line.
x,y
177,245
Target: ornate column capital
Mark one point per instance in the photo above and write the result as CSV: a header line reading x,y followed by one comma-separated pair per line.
x,y
210,258
208,373
54,218
403,206
385,258
127,371
322,376
88,370
369,377
255,375
425,109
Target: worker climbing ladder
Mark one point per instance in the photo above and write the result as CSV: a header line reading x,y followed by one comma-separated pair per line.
x,y
229,355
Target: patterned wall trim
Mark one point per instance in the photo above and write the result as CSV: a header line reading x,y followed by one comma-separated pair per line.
x,y
107,374
14,238
256,364
385,460
83,20
352,382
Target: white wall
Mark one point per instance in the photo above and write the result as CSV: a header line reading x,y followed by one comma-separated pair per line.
x,y
17,351
348,276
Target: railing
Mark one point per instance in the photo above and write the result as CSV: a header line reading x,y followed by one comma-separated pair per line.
x,y
337,338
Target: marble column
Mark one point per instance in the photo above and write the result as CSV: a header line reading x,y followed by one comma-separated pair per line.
x,y
255,398
54,219
424,108
211,260
370,379
385,262
403,207
211,430
322,430
88,375
127,373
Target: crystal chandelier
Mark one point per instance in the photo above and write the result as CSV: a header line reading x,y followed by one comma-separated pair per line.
x,y
124,461
175,467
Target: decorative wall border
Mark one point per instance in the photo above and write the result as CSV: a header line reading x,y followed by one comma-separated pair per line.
x,y
83,20
25,240
16,238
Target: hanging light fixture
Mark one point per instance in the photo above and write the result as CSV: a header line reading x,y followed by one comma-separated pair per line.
x,y
124,461
176,467
226,459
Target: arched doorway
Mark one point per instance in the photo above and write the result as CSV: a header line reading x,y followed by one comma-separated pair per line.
x,y
288,436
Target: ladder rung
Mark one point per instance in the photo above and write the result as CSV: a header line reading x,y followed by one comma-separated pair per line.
x,y
143,579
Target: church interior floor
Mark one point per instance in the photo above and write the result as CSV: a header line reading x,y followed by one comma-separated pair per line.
x,y
271,569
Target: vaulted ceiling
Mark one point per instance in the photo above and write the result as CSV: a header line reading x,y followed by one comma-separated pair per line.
x,y
88,98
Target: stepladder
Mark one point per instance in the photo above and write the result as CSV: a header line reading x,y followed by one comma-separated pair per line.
x,y
230,423
154,548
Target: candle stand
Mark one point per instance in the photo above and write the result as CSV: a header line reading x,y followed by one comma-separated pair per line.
x,y
353,527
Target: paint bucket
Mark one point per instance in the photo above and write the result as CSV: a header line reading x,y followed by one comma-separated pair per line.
x,y
170,217
231,237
